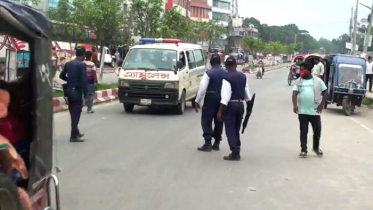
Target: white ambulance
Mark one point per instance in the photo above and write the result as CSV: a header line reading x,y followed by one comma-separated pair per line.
x,y
161,72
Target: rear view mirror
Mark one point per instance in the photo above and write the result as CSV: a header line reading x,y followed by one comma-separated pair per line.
x,y
179,64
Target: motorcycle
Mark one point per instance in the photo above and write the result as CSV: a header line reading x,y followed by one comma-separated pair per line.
x,y
259,72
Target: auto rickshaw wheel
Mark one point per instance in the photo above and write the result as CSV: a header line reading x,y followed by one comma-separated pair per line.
x,y
9,197
290,78
347,106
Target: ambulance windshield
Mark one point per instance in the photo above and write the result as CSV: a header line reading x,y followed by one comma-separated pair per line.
x,y
150,59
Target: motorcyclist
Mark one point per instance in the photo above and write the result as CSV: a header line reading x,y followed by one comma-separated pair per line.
x,y
261,64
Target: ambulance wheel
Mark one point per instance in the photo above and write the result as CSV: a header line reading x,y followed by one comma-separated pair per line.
x,y
9,197
113,63
128,107
180,108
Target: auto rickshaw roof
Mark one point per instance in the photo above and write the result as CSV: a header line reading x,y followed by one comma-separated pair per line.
x,y
348,59
25,18
314,55
298,56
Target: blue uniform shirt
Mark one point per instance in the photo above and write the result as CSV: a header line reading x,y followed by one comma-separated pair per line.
x,y
211,82
77,75
234,87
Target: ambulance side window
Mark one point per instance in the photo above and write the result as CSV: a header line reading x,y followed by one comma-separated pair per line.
x,y
182,58
199,58
191,59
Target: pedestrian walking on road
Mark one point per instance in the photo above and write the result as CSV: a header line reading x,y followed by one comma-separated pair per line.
x,y
369,73
234,92
209,90
76,89
91,80
309,98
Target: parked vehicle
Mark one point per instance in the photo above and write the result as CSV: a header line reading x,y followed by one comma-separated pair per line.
x,y
344,76
31,95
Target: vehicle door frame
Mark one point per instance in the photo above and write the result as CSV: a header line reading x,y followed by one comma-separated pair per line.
x,y
183,74
192,76
107,57
199,70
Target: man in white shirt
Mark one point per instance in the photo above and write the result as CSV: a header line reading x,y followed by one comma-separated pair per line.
x,y
369,73
234,92
209,91
318,69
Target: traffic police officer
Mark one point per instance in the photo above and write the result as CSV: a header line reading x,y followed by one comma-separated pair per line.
x,y
75,74
234,92
209,88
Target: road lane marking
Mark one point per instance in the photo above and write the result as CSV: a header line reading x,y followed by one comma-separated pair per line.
x,y
362,125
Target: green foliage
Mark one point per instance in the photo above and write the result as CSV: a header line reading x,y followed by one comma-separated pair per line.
x,y
174,26
252,45
147,17
210,31
304,42
104,17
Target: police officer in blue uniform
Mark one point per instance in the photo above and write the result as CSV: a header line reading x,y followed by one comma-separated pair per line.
x,y
75,74
234,92
209,89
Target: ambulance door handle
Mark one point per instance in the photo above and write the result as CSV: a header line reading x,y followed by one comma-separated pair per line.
x,y
187,72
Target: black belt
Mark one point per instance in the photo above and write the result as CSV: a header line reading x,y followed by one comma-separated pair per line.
x,y
237,100
212,91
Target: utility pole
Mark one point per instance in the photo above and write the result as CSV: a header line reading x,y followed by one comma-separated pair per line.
x,y
367,36
355,28
352,16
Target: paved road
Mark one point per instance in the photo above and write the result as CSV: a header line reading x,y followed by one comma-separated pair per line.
x,y
148,160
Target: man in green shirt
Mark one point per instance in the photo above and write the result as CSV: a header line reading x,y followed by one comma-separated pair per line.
x,y
298,62
309,97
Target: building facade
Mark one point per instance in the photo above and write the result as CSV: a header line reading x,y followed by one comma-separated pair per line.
x,y
182,5
199,10
221,10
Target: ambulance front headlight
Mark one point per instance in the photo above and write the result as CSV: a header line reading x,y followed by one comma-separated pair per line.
x,y
123,83
170,85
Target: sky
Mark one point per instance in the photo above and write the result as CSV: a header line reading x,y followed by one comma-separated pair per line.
x,y
321,18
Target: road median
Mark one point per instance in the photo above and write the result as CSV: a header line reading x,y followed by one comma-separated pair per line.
x,y
101,96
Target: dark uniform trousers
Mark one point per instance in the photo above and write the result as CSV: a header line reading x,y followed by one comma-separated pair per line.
x,y
75,98
209,112
233,113
232,117
211,105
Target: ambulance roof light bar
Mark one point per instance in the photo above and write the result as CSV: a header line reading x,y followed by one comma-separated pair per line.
x,y
153,40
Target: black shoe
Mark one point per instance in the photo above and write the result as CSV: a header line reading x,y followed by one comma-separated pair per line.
x,y
303,154
233,157
73,140
216,146
318,152
205,148
80,135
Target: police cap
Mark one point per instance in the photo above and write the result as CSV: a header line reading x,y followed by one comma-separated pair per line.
x,y
80,51
215,59
231,61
